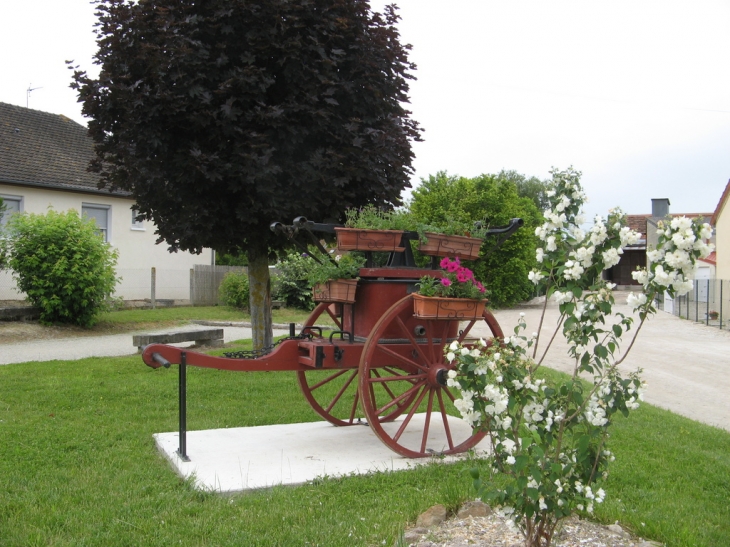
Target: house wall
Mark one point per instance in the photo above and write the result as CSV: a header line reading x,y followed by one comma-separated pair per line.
x,y
722,243
138,252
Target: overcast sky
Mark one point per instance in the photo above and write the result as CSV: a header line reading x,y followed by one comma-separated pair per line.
x,y
633,93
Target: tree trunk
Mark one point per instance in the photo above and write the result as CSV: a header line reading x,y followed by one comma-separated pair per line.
x,y
260,299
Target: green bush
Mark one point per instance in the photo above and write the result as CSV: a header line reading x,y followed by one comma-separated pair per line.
x,y
234,290
294,288
62,264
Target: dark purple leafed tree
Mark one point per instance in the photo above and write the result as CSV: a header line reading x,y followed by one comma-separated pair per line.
x,y
221,116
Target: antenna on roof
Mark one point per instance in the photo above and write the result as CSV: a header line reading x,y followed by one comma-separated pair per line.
x,y
27,96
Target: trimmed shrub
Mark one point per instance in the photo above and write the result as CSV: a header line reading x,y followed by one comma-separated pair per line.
x,y
62,264
234,290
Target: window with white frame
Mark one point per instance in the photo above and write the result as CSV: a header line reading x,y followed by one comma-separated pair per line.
x,y
136,224
12,204
101,215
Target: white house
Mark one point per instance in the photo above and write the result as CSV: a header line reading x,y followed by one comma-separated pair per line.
x,y
43,164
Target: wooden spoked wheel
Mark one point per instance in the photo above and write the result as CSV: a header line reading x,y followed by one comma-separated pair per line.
x,y
333,393
408,356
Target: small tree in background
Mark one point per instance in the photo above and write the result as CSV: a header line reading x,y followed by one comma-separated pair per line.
x,y
62,264
494,198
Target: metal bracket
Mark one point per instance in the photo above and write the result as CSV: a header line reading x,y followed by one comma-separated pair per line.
x,y
318,357
339,352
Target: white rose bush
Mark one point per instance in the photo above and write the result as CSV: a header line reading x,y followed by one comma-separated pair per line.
x,y
551,441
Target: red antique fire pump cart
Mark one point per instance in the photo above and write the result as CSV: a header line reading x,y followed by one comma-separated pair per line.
x,y
379,363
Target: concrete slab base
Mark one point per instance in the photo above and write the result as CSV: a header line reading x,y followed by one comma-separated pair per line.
x,y
246,458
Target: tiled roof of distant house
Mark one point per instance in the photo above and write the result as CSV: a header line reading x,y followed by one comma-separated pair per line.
x,y
712,258
638,223
720,204
46,150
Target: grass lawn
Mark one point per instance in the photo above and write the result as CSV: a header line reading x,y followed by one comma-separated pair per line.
x,y
78,466
123,318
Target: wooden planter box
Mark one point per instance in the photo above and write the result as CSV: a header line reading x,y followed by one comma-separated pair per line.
x,y
451,246
356,239
434,307
338,290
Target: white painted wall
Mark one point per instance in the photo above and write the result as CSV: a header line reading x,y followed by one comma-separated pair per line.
x,y
138,252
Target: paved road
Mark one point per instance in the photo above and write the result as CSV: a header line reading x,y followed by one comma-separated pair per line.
x,y
686,365
99,346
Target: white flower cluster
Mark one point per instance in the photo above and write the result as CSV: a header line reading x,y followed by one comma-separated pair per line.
x,y
672,268
562,229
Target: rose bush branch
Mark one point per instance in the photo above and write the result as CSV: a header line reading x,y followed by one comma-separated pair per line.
x,y
550,441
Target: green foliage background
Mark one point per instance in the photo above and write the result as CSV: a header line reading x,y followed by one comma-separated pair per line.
x,y
293,287
234,290
62,264
494,198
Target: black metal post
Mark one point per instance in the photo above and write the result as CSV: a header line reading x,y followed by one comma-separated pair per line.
x,y
182,389
721,304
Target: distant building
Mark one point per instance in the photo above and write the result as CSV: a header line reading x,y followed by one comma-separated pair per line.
x,y
43,163
721,221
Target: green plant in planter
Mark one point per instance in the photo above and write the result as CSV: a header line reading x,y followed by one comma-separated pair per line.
x,y
454,227
373,218
345,266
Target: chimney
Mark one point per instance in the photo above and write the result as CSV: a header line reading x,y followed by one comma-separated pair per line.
x,y
660,207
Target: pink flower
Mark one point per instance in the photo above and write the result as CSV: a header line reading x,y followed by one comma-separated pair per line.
x,y
445,262
480,287
461,277
445,281
452,266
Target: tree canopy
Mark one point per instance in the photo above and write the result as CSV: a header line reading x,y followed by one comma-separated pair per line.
x,y
222,116
494,198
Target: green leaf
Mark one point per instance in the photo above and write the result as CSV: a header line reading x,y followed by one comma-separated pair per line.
x,y
520,463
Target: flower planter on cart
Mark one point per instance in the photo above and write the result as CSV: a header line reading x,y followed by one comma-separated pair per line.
x,y
442,245
356,239
337,290
436,307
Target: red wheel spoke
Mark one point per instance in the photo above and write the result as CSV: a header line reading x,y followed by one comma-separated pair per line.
x,y
410,378
334,317
401,358
353,410
410,337
445,417
328,379
449,394
406,377
466,331
385,386
342,390
426,425
407,419
399,398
